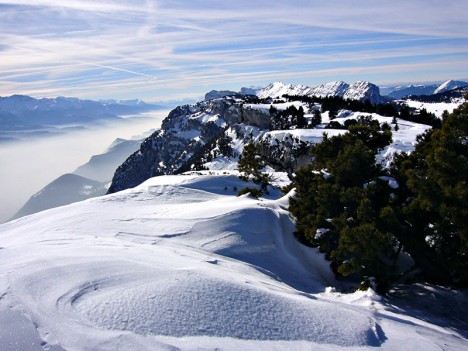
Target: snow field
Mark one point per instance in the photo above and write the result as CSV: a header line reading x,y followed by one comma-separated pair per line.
x,y
174,257
182,263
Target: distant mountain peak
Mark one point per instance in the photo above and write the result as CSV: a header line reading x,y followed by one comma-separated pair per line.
x,y
360,90
450,85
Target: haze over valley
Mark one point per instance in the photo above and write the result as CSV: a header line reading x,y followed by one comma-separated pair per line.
x,y
243,175
31,163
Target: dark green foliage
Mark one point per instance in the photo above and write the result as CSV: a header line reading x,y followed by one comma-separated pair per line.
x,y
301,122
387,109
287,188
403,114
339,198
290,117
433,200
385,126
350,122
250,162
335,125
336,103
419,116
368,130
250,165
344,208
273,111
317,118
253,192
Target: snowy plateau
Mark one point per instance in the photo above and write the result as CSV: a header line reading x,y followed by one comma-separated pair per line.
x,y
180,262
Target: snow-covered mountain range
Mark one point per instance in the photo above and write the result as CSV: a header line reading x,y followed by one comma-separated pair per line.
x,y
401,91
19,112
360,91
173,259
450,85
64,190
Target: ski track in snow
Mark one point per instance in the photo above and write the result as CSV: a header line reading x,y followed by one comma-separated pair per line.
x,y
181,261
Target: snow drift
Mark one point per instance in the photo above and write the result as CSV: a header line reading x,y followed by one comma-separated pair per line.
x,y
181,262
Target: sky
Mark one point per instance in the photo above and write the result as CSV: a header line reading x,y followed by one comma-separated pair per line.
x,y
172,49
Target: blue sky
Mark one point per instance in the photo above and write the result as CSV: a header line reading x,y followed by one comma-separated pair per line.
x,y
171,49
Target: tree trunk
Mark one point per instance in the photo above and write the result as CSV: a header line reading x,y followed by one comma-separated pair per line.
x,y
435,271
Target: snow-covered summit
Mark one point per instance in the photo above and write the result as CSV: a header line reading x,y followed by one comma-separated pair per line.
x,y
278,89
64,110
364,91
330,89
360,91
450,85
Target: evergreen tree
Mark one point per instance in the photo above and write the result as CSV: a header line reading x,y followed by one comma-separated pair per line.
x,y
344,207
301,120
273,111
317,118
433,206
339,201
250,165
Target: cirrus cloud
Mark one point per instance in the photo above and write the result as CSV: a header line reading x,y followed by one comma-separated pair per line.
x,y
149,49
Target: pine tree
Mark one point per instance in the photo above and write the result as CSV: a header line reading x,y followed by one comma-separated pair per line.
x,y
338,202
250,165
434,211
300,119
317,118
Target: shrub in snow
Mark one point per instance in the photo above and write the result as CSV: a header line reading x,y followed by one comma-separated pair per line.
x,y
253,192
251,164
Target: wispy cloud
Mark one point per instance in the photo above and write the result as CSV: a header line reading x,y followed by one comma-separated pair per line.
x,y
138,48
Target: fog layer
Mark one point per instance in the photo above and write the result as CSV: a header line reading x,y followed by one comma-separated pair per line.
x,y
29,165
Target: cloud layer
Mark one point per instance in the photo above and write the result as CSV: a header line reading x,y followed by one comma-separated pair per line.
x,y
155,49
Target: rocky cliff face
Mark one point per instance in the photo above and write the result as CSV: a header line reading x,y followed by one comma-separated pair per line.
x,y
217,94
194,133
364,91
360,91
330,89
184,132
284,153
256,117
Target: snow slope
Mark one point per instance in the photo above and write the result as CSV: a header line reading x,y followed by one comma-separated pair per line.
x,y
437,108
180,262
450,85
